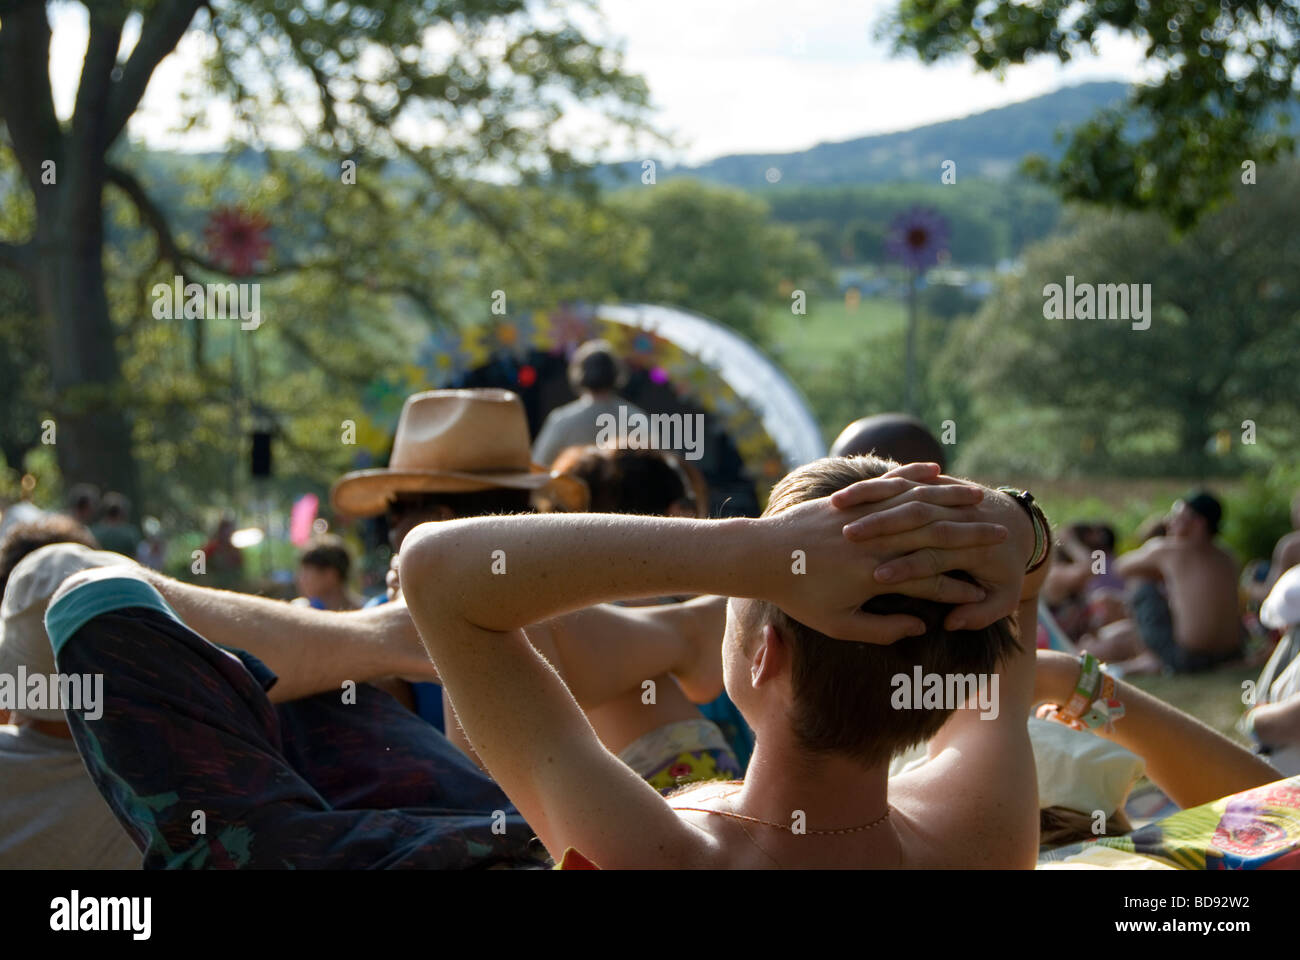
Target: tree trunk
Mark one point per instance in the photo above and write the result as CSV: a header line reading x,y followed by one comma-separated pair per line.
x,y
1193,438
93,439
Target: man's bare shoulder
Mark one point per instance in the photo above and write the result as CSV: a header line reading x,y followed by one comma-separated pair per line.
x,y
943,829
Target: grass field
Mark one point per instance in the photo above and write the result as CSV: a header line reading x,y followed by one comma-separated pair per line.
x,y
804,345
1213,698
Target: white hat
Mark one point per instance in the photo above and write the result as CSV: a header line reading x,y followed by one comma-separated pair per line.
x,y
1081,771
23,640
1281,608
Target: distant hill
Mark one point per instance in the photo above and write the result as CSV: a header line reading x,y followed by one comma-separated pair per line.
x,y
989,144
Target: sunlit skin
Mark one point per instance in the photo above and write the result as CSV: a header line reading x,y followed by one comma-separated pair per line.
x,y
1200,582
536,743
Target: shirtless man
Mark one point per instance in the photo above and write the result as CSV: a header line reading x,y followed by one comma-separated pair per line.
x,y
1185,611
821,707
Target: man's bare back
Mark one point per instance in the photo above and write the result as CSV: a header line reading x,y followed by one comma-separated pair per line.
x,y
924,828
1201,585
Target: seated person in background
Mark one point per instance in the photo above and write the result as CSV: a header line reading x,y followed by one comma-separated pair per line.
x,y
894,436
1185,614
115,531
594,374
323,575
225,563
621,480
83,504
810,660
51,815
1274,722
1082,588
651,483
1286,554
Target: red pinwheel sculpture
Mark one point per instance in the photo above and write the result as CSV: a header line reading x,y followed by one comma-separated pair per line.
x,y
237,240
918,238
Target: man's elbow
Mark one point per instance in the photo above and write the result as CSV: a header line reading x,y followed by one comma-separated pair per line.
x,y
419,558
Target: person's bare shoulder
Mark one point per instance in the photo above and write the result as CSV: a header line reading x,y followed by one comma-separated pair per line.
x,y
1230,558
1287,550
940,831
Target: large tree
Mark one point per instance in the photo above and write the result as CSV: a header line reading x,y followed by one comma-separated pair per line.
x,y
1226,74
1114,393
449,88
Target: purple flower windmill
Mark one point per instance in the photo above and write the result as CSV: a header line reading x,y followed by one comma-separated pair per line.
x,y
918,238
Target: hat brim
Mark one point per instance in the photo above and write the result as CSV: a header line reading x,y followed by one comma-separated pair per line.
x,y
365,493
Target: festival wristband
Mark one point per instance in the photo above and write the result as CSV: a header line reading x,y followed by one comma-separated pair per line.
x,y
1105,709
1086,689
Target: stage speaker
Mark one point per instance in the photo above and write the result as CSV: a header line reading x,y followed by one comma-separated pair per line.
x,y
261,459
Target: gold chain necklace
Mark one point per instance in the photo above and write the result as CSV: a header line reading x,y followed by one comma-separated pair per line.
x,y
785,826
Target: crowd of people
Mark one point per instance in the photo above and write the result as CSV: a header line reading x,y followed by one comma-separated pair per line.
x,y
572,664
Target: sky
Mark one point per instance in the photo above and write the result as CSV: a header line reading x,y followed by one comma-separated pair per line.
x,y
725,76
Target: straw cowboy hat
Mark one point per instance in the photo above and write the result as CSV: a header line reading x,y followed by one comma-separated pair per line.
x,y
457,441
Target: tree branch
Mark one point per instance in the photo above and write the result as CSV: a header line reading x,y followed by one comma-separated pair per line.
x,y
25,90
159,34
96,82
151,215
170,249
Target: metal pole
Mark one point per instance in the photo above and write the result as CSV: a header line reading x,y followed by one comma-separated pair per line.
x,y
909,365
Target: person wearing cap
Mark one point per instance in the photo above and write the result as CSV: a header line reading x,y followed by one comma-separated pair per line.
x,y
51,815
1184,608
595,374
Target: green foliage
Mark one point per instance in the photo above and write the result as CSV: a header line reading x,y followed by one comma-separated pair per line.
x,y
1221,348
434,101
990,220
1226,75
849,362
362,275
714,250
1258,513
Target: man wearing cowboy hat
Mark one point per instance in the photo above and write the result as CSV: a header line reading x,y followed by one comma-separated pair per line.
x,y
456,453
465,453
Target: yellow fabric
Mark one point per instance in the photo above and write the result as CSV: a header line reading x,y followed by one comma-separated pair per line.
x,y
1107,858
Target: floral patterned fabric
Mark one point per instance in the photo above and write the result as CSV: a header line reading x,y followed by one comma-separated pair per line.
x,y
1256,829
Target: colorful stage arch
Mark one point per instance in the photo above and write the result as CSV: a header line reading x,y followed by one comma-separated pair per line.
x,y
705,365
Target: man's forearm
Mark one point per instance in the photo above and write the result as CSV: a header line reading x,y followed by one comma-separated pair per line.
x,y
505,575
1188,760
310,651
